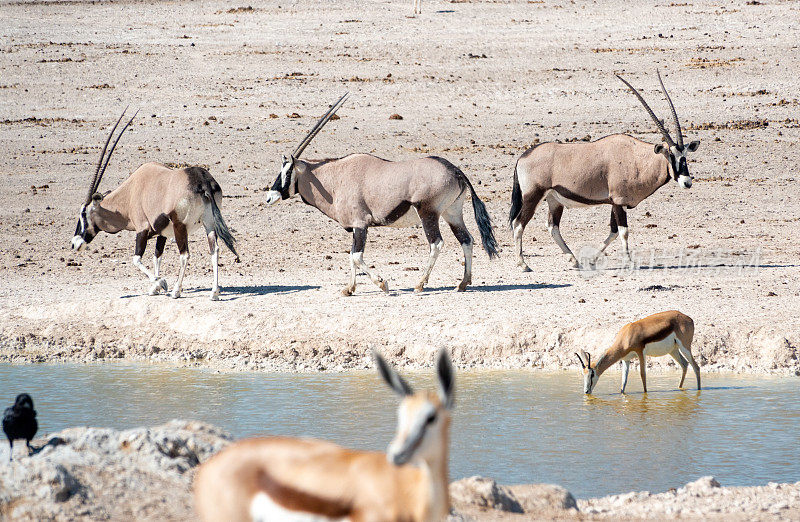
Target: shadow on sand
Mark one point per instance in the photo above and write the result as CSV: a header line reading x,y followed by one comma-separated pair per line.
x,y
230,293
485,288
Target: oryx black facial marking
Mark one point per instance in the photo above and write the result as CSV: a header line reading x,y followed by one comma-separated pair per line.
x,y
618,169
361,190
149,203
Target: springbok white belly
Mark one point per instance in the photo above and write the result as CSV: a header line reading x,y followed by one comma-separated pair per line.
x,y
659,348
409,219
264,509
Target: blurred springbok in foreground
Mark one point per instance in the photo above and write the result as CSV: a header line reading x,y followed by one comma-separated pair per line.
x,y
666,333
156,201
361,191
618,170
303,479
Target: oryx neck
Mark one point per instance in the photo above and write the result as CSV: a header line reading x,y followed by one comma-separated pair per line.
x,y
109,215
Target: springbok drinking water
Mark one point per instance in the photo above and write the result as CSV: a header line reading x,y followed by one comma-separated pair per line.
x,y
361,191
278,478
665,333
156,201
618,170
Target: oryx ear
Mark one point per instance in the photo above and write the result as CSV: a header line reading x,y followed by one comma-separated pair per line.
x,y
659,149
444,368
392,378
580,360
693,146
97,197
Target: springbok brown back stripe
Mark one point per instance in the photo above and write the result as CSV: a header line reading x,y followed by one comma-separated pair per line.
x,y
295,500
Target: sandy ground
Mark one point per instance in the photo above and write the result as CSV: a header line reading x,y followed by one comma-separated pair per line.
x,y
475,82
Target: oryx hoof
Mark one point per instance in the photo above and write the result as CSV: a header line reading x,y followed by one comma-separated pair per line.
x,y
462,286
420,286
158,286
383,285
215,295
347,292
524,266
175,293
574,262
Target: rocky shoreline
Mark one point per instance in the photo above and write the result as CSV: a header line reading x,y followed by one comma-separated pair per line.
x,y
146,474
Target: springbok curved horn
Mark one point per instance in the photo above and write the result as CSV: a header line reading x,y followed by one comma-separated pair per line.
x,y
658,123
110,152
318,127
580,360
674,112
95,182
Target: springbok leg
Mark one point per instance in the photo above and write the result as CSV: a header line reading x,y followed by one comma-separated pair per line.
x,y
642,370
529,204
182,240
686,352
430,224
553,222
357,261
682,363
213,247
626,365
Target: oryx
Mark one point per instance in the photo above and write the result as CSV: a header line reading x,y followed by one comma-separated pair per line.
x,y
618,170
156,201
361,191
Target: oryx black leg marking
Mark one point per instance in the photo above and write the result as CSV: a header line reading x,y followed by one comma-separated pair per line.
x,y
612,235
465,239
182,240
141,245
357,261
529,203
621,218
430,225
553,225
161,242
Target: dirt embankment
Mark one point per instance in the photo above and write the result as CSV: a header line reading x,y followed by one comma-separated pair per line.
x,y
476,83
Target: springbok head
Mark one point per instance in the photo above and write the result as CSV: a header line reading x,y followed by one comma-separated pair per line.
x,y
285,185
423,419
589,374
675,152
86,229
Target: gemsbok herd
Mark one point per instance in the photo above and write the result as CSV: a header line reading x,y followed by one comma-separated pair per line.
x,y
301,479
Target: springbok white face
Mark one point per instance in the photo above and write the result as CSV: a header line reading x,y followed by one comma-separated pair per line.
x,y
590,376
285,185
423,418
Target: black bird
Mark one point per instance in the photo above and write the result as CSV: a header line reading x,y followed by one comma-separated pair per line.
x,y
19,422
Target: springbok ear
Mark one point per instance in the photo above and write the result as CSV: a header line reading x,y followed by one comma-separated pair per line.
x,y
444,368
659,149
693,146
392,378
580,360
97,197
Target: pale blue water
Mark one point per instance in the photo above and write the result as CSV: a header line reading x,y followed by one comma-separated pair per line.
x,y
515,426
